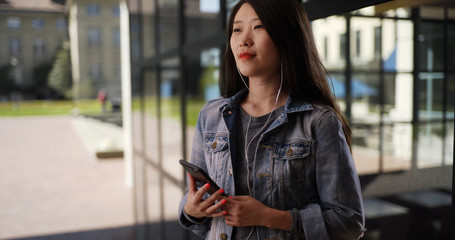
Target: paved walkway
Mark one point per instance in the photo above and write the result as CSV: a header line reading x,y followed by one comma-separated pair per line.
x,y
51,183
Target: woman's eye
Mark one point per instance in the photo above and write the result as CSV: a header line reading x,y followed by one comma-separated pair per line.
x,y
236,30
258,27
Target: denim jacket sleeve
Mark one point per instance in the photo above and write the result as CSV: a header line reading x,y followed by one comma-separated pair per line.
x,y
197,157
339,212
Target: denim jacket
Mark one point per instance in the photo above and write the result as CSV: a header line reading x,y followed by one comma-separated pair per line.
x,y
303,166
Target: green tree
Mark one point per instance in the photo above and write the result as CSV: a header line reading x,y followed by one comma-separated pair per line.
x,y
59,78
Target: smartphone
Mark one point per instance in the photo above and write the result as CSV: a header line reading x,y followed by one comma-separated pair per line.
x,y
200,175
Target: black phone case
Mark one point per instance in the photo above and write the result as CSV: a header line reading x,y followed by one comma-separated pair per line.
x,y
200,175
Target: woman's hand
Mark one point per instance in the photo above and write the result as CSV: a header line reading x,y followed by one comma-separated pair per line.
x,y
196,207
246,211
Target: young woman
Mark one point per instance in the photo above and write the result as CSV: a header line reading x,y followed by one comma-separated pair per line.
x,y
276,142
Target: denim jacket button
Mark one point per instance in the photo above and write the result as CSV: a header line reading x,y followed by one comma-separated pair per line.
x,y
289,152
214,145
229,112
223,236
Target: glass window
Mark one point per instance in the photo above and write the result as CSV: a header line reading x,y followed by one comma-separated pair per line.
x,y
337,85
450,93
168,28
377,42
148,30
397,147
397,45
202,19
60,24
399,106
37,23
13,23
151,138
171,118
357,43
343,46
95,71
326,48
15,46
451,46
93,9
431,47
430,145
365,43
116,10
430,97
117,37
334,30
365,98
365,148
94,37
202,85
448,149
38,48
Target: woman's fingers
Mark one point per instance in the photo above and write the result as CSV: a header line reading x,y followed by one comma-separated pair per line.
x,y
216,209
197,207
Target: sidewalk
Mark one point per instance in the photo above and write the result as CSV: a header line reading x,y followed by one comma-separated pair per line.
x,y
52,183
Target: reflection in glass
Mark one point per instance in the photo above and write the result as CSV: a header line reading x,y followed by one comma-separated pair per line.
x,y
168,26
365,148
171,118
430,143
365,98
431,47
332,30
404,46
448,148
397,146
148,29
451,45
430,95
202,78
364,32
151,127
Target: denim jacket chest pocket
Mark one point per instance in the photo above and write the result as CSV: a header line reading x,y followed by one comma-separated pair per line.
x,y
216,151
290,161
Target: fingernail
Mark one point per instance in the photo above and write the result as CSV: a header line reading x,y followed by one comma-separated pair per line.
x,y
224,212
207,185
230,197
221,190
223,201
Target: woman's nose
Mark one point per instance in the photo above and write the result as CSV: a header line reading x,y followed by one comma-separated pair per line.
x,y
246,41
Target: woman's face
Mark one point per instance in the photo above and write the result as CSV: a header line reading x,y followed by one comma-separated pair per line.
x,y
254,51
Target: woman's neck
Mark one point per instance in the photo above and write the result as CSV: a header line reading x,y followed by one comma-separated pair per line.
x,y
264,97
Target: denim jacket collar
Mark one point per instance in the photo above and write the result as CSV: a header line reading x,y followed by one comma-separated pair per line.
x,y
292,105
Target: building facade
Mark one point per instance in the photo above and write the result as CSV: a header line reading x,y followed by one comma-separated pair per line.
x,y
94,30
31,34
391,67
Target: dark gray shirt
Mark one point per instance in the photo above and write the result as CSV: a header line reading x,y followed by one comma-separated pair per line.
x,y
255,129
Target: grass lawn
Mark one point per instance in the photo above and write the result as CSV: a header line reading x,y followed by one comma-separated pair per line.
x,y
170,108
36,108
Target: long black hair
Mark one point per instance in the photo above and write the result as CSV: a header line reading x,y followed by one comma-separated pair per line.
x,y
304,75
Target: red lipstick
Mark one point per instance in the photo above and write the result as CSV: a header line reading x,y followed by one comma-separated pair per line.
x,y
245,55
